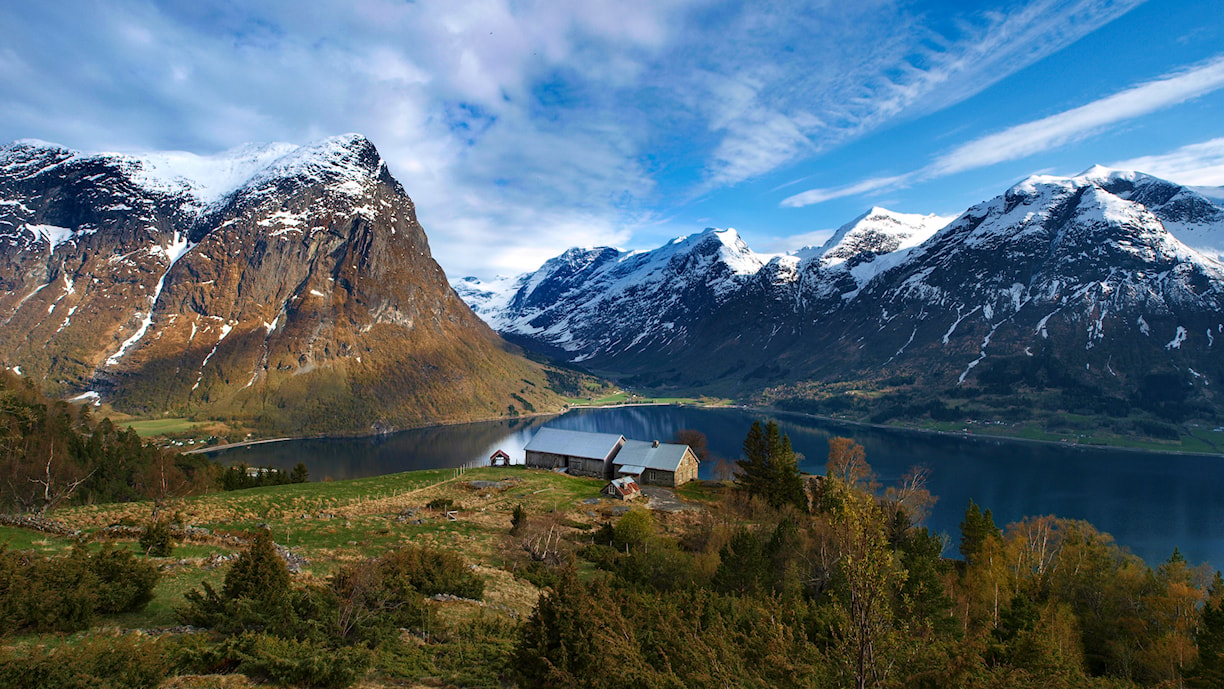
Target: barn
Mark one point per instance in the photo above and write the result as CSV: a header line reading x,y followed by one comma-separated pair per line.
x,y
655,463
580,453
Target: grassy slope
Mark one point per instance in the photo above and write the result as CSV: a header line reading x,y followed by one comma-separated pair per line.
x,y
330,523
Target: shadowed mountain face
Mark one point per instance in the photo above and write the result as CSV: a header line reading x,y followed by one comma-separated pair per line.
x,y
1108,283
286,287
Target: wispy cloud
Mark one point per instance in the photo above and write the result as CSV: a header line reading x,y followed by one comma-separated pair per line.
x,y
1044,134
830,85
814,196
1050,132
1196,164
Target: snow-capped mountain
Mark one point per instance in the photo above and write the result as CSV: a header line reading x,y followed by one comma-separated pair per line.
x,y
284,285
605,304
1111,277
592,303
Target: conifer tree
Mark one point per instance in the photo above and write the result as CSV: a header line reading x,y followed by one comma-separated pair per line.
x,y
976,528
770,468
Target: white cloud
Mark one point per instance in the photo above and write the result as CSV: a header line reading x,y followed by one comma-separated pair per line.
x,y
1050,132
518,126
814,196
850,68
1195,164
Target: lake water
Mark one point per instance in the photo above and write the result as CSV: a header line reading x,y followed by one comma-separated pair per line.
x,y
1150,502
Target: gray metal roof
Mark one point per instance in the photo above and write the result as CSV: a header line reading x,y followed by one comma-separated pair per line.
x,y
574,443
640,453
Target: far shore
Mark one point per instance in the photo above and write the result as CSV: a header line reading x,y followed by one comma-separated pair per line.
x,y
979,436
747,408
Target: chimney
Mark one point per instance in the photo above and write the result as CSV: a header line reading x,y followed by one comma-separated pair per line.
x,y
656,444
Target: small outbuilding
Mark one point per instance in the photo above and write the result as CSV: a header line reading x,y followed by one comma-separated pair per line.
x,y
578,452
623,488
655,463
501,458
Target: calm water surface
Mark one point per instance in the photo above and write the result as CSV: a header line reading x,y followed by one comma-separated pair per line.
x,y
1150,502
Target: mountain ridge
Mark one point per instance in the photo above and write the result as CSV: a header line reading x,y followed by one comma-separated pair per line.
x,y
1086,271
302,298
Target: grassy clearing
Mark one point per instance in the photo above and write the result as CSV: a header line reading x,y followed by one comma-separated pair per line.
x,y
148,428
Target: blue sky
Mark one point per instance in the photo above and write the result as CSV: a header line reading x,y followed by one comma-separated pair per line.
x,y
523,128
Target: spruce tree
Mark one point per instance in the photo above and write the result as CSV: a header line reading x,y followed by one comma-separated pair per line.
x,y
770,468
976,528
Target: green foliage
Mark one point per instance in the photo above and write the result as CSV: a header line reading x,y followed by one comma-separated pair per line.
x,y
156,540
96,662
634,528
976,528
54,454
431,571
290,662
66,593
300,473
1208,668
242,476
518,519
743,567
770,468
259,573
124,582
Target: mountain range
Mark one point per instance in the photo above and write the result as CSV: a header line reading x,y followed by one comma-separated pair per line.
x,y
289,289
1099,293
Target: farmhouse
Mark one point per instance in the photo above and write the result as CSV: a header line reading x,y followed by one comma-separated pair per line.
x,y
580,453
604,455
655,463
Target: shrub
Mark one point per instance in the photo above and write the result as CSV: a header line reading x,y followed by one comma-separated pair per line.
x,y
44,594
124,662
156,540
430,572
259,573
125,583
518,519
290,662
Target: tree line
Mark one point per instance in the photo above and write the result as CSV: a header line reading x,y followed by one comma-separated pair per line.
x,y
53,453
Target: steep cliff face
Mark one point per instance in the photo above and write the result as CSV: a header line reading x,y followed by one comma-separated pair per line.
x,y
290,287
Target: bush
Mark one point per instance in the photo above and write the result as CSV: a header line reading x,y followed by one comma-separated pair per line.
x,y
518,519
430,572
156,540
125,583
259,573
124,662
284,661
63,594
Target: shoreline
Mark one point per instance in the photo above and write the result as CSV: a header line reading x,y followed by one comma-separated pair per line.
x,y
981,436
742,407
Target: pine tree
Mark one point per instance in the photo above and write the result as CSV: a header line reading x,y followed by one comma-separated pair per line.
x,y
770,468
976,528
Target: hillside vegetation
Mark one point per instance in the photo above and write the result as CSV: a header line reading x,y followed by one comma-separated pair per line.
x,y
512,576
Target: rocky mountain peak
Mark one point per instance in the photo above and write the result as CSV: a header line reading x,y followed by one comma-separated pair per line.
x,y
174,281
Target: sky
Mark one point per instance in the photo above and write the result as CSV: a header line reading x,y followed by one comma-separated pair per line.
x,y
521,128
